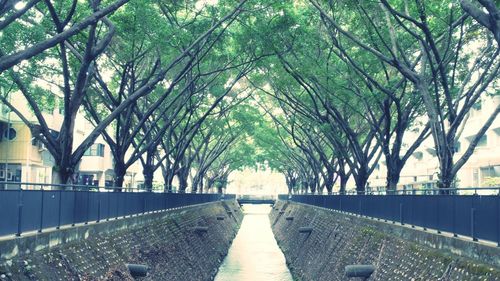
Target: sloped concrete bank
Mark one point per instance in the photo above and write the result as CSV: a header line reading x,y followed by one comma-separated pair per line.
x,y
167,242
336,240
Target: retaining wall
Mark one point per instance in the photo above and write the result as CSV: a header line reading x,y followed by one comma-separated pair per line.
x,y
397,252
165,241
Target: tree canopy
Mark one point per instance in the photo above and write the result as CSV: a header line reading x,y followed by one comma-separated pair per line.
x,y
320,91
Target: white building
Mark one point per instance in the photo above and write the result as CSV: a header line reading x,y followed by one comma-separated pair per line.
x,y
481,170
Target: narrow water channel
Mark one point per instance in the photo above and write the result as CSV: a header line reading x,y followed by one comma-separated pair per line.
x,y
254,254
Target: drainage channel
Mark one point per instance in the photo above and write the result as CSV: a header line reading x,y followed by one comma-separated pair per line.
x,y
254,254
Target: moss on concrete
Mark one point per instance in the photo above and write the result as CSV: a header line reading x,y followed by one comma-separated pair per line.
x,y
323,256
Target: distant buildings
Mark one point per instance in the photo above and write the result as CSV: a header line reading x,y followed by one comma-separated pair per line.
x,y
252,182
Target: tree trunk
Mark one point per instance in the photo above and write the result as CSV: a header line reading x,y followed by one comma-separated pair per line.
x,y
148,173
446,176
167,179
361,179
393,175
304,187
65,176
219,186
168,187
182,176
120,172
343,183
329,183
200,184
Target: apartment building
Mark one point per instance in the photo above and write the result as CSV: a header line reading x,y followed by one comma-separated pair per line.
x,y
22,157
481,170
25,159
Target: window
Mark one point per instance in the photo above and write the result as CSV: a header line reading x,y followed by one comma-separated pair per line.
x,y
431,151
478,105
96,149
11,173
419,155
475,177
483,141
10,134
476,109
88,179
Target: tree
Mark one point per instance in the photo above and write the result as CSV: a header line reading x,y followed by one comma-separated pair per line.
x,y
77,74
430,55
75,77
27,14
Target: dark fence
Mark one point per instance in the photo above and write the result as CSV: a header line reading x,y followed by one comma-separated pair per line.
x,y
29,210
475,216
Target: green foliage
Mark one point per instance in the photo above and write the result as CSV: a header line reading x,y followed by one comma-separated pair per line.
x,y
308,90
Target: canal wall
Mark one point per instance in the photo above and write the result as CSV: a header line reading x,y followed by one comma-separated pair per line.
x,y
186,243
397,252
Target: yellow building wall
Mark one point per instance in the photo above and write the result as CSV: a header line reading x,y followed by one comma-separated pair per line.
x,y
20,150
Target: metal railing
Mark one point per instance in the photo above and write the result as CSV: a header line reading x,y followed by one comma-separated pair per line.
x,y
490,190
54,186
23,210
474,216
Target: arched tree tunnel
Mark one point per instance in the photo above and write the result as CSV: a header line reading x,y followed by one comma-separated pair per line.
x,y
324,92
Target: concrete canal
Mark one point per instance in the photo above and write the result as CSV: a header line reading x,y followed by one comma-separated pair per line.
x,y
254,253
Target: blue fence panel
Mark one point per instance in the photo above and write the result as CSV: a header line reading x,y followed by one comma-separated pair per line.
x,y
113,205
50,214
81,206
34,210
351,204
446,213
405,209
429,210
9,212
463,207
67,207
105,210
124,201
31,206
93,206
318,200
436,212
487,217
160,205
468,215
394,208
136,203
329,202
419,205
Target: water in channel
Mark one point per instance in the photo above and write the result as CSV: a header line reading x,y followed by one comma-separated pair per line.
x,y
254,254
